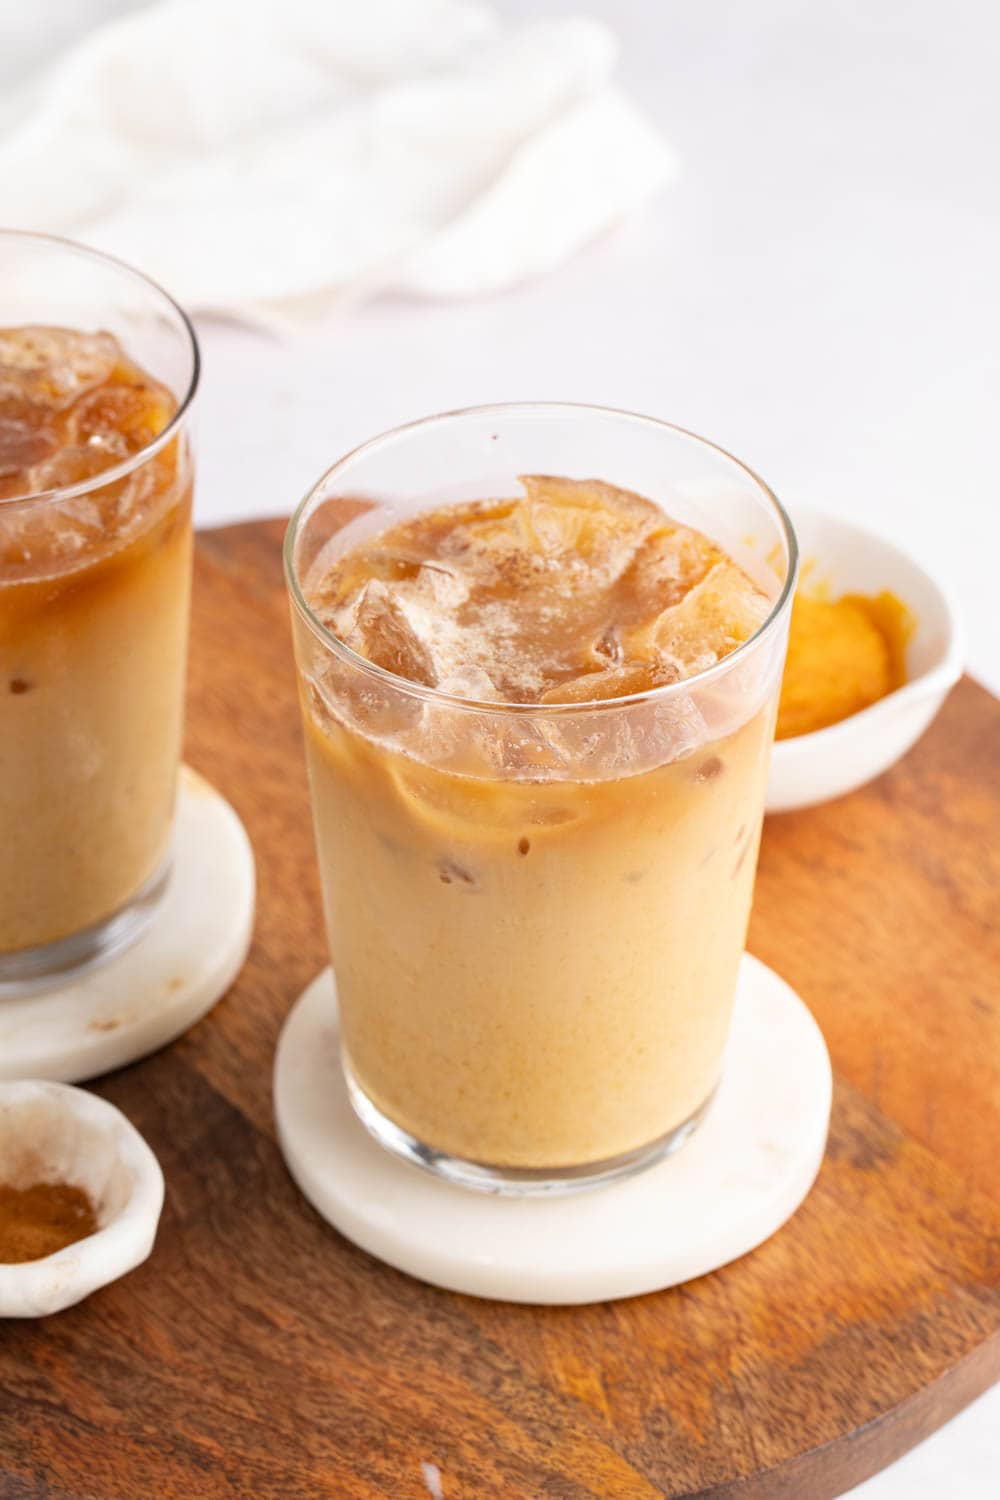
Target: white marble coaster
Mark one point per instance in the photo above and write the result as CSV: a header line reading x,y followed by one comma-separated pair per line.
x,y
185,960
743,1173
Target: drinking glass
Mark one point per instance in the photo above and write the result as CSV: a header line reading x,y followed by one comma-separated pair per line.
x,y
536,914
94,592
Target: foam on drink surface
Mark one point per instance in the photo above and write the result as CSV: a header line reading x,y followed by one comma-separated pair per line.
x,y
72,406
575,592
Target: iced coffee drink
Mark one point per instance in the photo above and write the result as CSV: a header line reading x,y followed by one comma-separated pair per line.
x,y
537,748
95,547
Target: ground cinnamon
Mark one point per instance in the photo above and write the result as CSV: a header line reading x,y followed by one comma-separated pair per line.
x,y
38,1220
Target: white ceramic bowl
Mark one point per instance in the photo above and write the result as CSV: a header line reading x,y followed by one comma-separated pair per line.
x,y
50,1132
814,767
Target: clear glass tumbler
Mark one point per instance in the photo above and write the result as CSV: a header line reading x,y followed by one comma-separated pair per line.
x,y
95,567
536,914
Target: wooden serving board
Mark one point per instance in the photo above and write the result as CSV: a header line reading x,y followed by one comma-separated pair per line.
x,y
258,1354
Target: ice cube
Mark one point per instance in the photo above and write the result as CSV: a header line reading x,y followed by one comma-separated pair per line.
x,y
524,748
585,521
639,737
495,550
120,419
615,682
469,680
23,440
70,465
441,588
340,693
589,495
44,535
384,634
722,611
670,561
54,366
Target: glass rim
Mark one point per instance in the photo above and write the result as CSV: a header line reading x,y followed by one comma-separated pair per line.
x,y
481,705
135,460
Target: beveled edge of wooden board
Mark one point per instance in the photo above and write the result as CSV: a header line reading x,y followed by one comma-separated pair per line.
x,y
849,1460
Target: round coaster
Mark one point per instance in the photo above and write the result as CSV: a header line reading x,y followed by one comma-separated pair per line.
x,y
184,961
743,1173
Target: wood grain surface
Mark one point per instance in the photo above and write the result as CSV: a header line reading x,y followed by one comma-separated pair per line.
x,y
258,1354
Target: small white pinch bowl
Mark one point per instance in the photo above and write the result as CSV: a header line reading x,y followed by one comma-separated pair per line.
x,y
51,1132
846,558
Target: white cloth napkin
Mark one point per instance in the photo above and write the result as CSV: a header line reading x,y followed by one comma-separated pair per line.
x,y
275,158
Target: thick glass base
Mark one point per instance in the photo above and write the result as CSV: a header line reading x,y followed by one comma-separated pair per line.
x,y
515,1182
31,970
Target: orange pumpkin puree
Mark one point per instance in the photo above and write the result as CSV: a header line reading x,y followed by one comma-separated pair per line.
x,y
843,655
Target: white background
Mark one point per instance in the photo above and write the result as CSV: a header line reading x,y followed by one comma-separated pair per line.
x,y
817,292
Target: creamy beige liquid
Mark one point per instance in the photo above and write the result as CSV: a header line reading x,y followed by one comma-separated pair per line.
x,y
535,921
93,627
